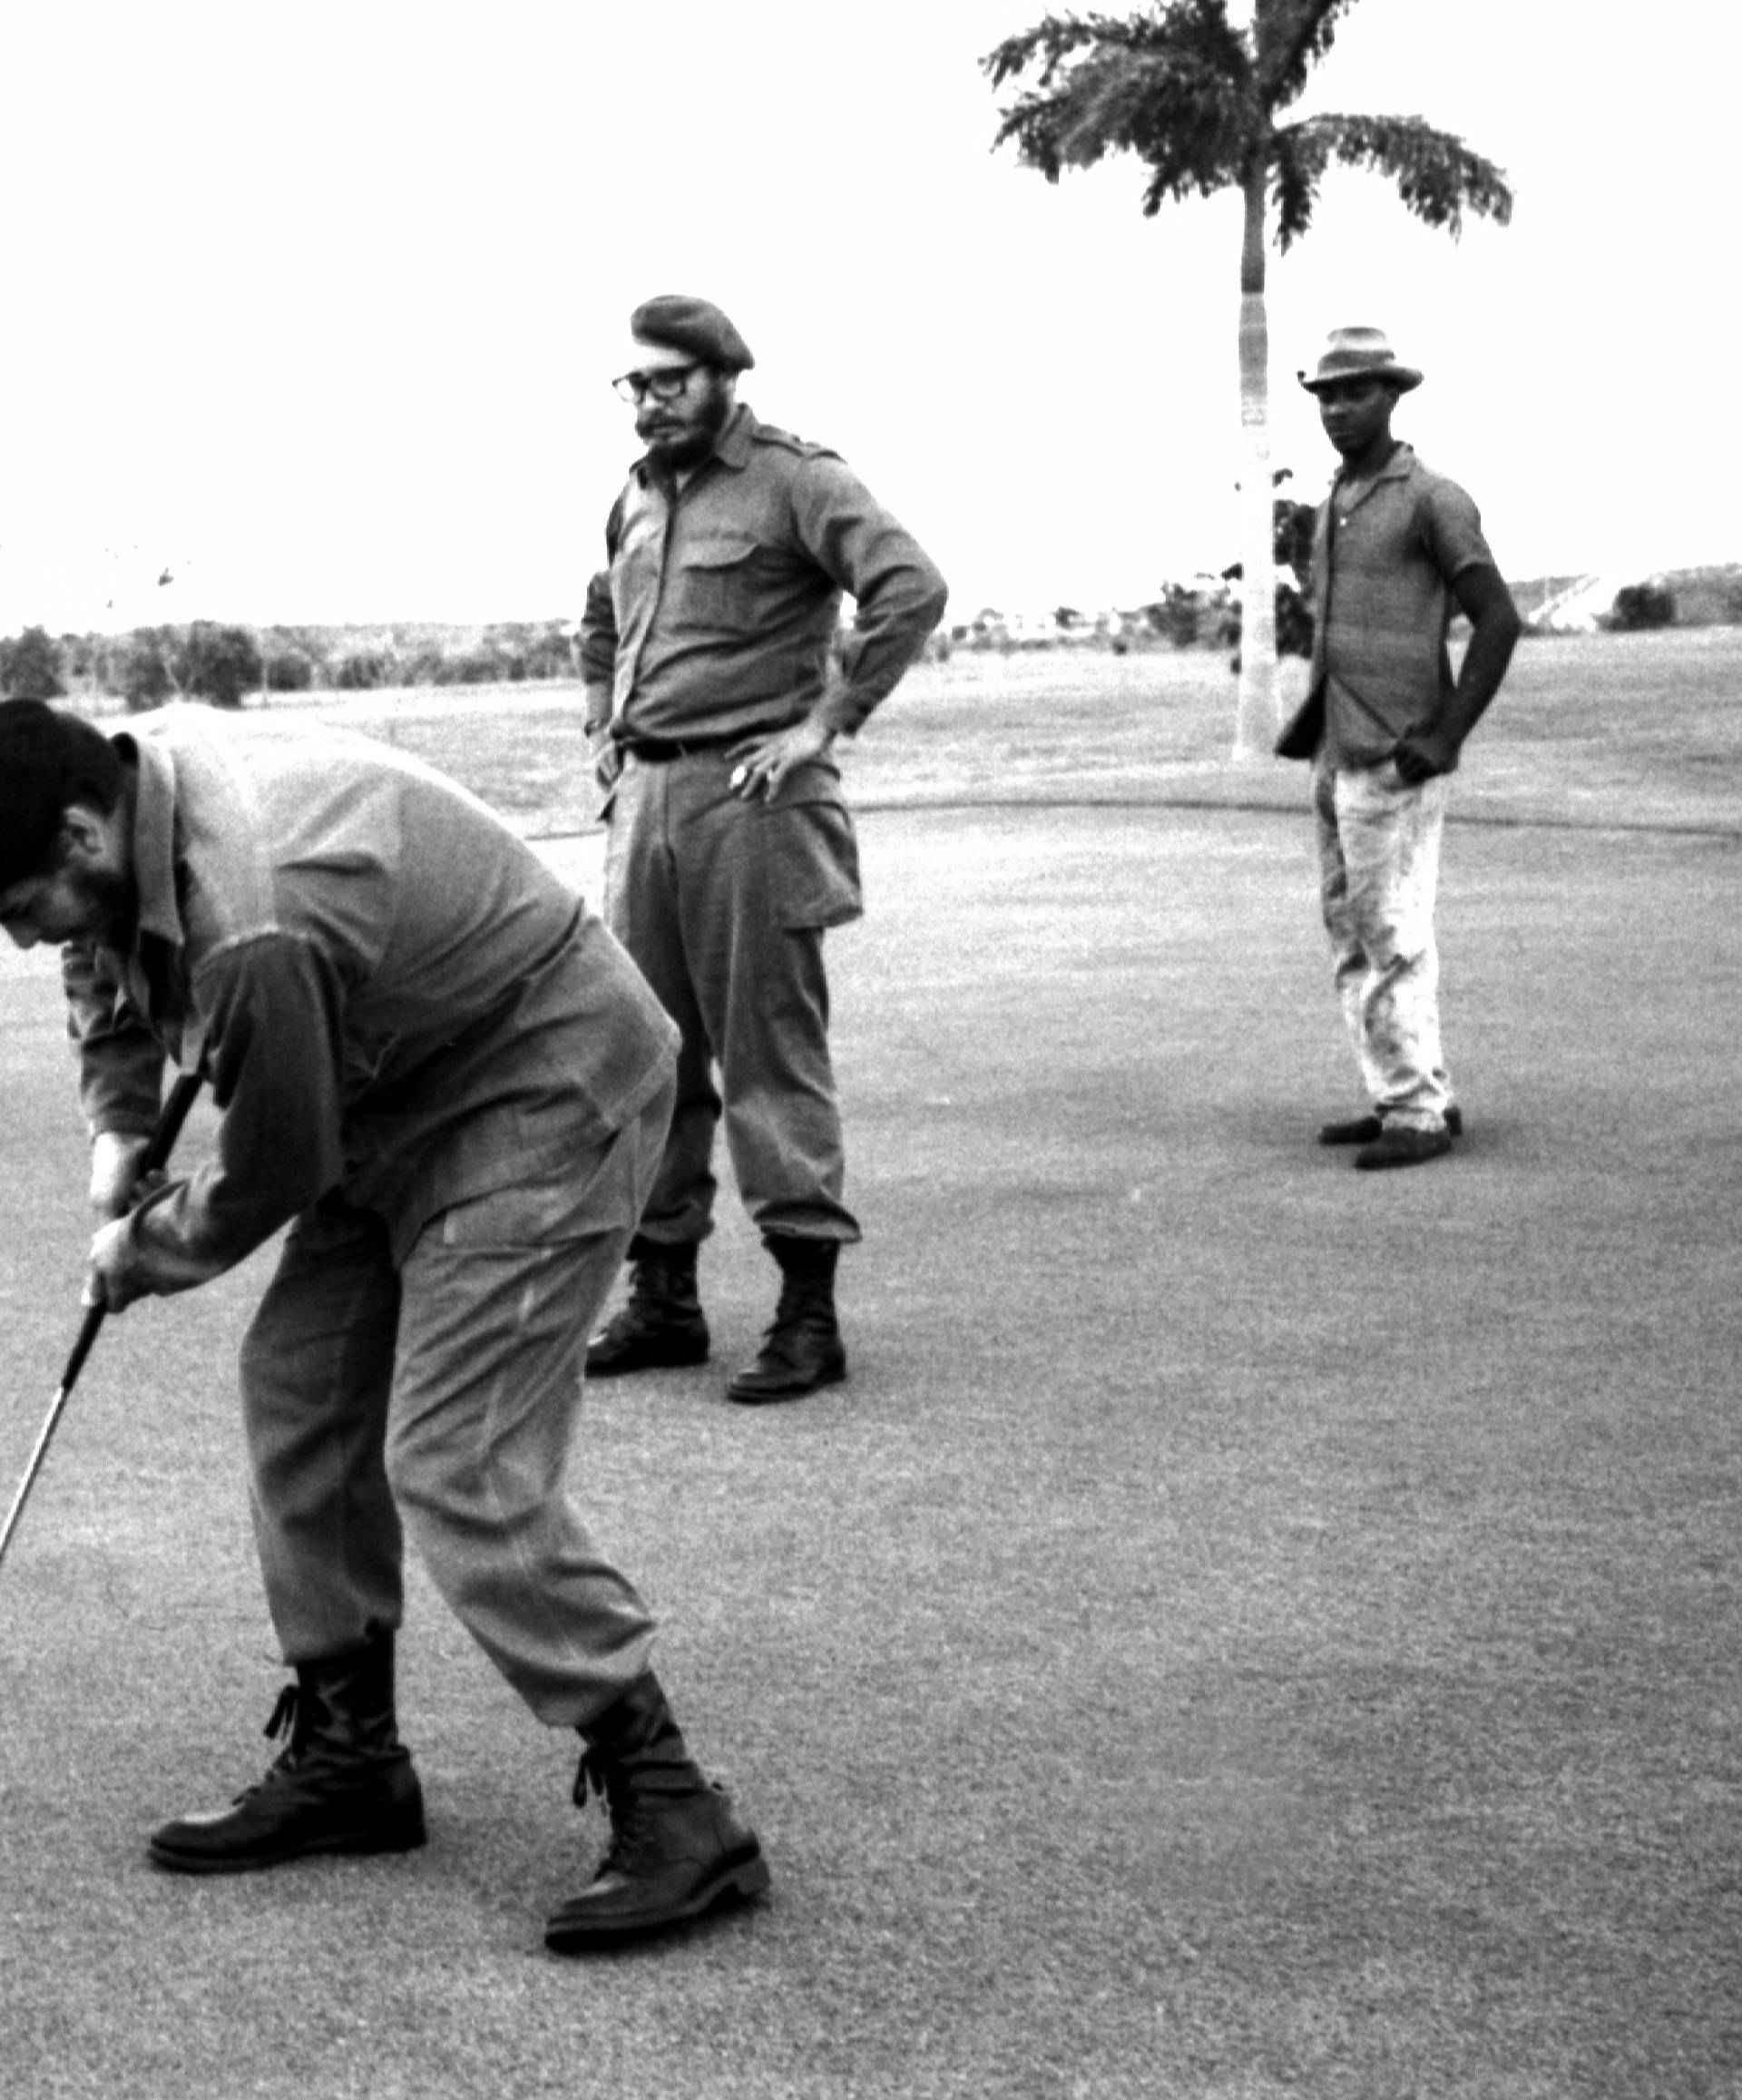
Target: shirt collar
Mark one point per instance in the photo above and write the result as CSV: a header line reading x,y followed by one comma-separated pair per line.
x,y
1403,458
732,447
154,839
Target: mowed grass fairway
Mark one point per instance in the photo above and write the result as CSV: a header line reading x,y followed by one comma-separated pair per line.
x,y
1245,1628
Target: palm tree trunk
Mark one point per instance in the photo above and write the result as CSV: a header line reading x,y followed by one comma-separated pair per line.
x,y
1258,716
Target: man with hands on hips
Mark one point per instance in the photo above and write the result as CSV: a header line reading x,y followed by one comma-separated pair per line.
x,y
713,708
1397,548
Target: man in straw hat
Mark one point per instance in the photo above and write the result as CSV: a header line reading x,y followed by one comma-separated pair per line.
x,y
1396,550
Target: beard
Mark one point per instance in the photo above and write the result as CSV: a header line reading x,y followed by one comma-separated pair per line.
x,y
692,444
109,904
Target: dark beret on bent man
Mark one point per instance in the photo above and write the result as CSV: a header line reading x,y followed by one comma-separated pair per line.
x,y
48,761
695,325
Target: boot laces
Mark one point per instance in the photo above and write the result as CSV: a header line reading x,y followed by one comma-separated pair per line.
x,y
803,1309
289,1724
285,1712
659,1284
629,1816
647,1280
590,1780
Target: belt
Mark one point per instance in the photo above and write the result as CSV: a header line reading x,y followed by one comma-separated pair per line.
x,y
662,750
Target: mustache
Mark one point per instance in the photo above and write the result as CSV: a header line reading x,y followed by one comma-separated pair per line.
x,y
707,418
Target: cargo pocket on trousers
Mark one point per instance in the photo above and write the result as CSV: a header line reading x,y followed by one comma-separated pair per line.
x,y
535,1214
816,861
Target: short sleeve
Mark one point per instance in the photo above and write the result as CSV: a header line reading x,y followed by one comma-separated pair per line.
x,y
1451,530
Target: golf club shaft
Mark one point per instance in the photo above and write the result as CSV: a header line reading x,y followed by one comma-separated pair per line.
x,y
156,1156
172,1115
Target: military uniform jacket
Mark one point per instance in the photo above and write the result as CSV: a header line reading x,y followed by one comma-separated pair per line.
x,y
715,618
390,994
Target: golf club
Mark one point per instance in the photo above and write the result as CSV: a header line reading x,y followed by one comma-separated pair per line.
x,y
170,1118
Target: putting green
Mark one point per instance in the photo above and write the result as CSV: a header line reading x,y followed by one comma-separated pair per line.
x,y
1243,1626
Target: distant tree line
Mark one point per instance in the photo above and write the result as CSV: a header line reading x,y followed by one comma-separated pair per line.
x,y
223,663
1640,606
30,666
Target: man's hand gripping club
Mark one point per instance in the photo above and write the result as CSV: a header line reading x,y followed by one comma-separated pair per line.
x,y
121,1178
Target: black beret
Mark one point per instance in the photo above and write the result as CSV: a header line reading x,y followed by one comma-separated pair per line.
x,y
695,325
32,766
49,760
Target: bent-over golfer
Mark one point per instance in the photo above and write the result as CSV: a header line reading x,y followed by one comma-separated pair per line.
x,y
1397,549
434,1064
714,710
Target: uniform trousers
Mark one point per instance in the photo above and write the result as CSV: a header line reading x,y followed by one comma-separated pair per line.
x,y
723,903
446,1391
1379,864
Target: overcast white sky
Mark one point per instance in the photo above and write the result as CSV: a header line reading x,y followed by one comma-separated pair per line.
x,y
317,306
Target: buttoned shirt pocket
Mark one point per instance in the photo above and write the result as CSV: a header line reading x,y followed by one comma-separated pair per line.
x,y
815,853
720,584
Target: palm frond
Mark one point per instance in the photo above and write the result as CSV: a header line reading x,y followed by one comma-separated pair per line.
x,y
1292,36
1168,87
1298,161
1437,177
1178,25
1050,43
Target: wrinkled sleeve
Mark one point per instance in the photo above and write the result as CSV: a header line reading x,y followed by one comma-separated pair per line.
x,y
120,1061
274,1010
599,634
599,617
899,594
1452,531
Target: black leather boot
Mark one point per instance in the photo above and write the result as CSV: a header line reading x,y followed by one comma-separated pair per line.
x,y
342,1783
1365,1129
802,1350
662,1326
677,1846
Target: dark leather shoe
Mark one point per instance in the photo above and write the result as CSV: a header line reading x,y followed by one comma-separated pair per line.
x,y
291,1814
636,1341
1403,1148
1364,1129
793,1361
671,1858
662,1326
344,1783
802,1350
677,1848
1358,1130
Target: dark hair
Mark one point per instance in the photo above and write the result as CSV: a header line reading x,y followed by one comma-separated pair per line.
x,y
49,760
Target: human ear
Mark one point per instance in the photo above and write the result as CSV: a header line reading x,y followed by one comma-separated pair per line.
x,y
84,834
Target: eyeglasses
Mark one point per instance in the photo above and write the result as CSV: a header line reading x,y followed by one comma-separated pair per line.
x,y
665,385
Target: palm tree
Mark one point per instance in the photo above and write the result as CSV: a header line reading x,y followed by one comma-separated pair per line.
x,y
1198,98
